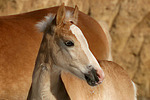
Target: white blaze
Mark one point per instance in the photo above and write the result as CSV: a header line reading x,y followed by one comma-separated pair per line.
x,y
84,45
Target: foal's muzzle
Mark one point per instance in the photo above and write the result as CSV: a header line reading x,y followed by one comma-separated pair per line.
x,y
94,77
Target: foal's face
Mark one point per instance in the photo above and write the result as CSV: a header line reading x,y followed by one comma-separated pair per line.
x,y
72,54
70,50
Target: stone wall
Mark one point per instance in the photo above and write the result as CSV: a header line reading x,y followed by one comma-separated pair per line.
x,y
129,26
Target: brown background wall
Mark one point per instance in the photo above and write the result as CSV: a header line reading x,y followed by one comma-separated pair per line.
x,y
129,26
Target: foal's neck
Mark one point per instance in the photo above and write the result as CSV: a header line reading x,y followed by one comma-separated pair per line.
x,y
46,76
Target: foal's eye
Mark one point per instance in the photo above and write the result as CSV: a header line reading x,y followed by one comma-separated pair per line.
x,y
69,43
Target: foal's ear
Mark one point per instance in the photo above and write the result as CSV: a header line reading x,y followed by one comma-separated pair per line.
x,y
75,14
60,16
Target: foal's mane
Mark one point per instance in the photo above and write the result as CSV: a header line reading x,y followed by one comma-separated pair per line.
x,y
41,26
44,23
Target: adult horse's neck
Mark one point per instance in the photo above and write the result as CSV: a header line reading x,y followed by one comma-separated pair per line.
x,y
46,83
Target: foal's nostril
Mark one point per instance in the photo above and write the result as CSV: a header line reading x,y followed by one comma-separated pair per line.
x,y
95,75
90,66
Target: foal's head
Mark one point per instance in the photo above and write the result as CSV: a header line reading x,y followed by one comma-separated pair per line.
x,y
69,48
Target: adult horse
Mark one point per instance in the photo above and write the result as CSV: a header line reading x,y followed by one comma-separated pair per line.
x,y
19,46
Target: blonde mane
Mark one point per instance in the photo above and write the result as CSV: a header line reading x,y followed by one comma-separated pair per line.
x,y
41,26
44,23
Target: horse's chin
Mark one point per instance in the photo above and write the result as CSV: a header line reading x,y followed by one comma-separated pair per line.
x,y
91,82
